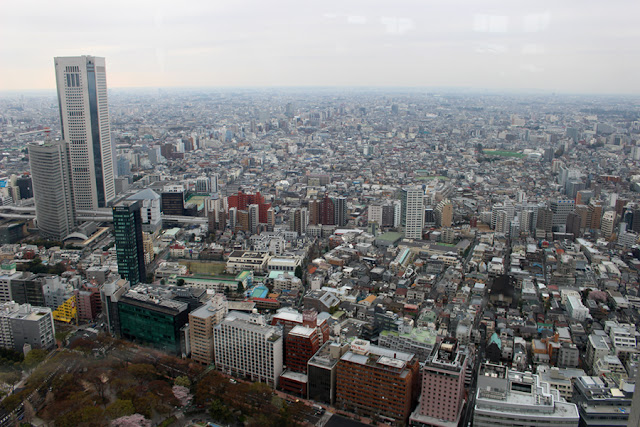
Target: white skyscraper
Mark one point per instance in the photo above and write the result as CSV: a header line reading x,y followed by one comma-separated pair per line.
x,y
412,212
84,113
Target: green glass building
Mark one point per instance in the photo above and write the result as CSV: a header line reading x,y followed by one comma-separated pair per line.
x,y
127,225
152,321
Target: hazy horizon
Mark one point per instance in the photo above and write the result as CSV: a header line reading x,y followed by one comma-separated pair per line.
x,y
572,47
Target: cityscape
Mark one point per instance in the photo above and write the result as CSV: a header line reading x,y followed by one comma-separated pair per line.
x,y
317,256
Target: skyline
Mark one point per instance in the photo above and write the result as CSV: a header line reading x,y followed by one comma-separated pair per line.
x,y
572,48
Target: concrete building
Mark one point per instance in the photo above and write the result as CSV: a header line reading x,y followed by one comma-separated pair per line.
x,y
603,402
247,261
412,216
507,398
245,346
444,214
442,394
322,369
576,309
149,210
51,175
377,382
201,324
24,324
607,223
84,114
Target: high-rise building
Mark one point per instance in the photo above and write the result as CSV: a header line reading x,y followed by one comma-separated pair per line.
x,y
412,212
127,225
149,210
442,395
607,223
340,211
201,324
50,172
203,185
245,346
24,324
299,221
84,115
377,381
444,213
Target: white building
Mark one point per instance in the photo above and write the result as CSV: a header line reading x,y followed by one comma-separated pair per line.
x,y
412,220
22,324
149,210
576,309
82,97
507,398
244,345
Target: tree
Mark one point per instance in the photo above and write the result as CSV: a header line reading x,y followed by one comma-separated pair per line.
x,y
298,272
183,381
220,412
180,282
34,357
240,288
119,408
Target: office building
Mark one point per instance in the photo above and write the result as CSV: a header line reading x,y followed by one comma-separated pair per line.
x,y
201,324
442,395
245,346
24,324
149,210
377,382
299,220
412,212
340,211
321,372
172,200
152,320
444,214
51,178
506,398
84,115
602,402
127,224
607,224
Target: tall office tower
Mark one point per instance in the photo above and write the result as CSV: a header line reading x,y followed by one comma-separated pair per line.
x,y
299,220
253,211
340,211
327,211
444,213
84,113
608,221
561,209
50,174
594,214
412,212
545,220
442,395
271,218
214,182
129,245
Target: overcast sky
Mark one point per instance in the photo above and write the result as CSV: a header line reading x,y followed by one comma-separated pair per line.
x,y
585,46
